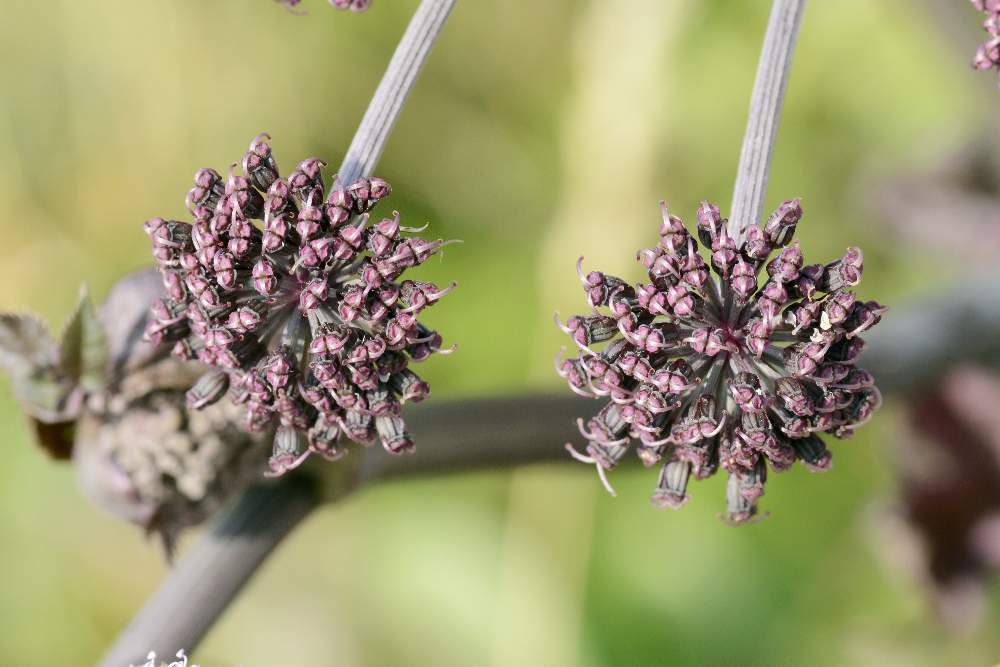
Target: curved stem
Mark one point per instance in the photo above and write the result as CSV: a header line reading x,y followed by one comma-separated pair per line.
x,y
765,114
213,572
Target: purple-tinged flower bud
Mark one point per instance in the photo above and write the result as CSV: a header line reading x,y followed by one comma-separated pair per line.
x,y
707,342
785,267
354,235
742,491
353,5
746,391
359,427
776,295
794,397
589,329
845,272
863,317
306,182
279,201
169,234
846,351
736,453
681,301
203,236
671,489
757,247
219,224
743,281
802,315
813,453
855,380
758,333
339,197
290,451
258,163
329,375
862,407
798,362
992,24
279,369
780,227
806,284
710,224
987,55
244,199
409,386
224,267
360,191
309,223
264,280
207,191
673,236
837,309
318,251
202,289
656,402
209,388
277,233
323,439
158,332
724,254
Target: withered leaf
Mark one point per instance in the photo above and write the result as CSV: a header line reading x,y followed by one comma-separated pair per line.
x,y
31,358
84,347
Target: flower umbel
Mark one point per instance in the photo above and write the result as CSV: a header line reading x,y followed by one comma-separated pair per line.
x,y
988,53
305,320
734,371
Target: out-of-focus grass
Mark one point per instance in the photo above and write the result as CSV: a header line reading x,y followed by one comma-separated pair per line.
x,y
111,106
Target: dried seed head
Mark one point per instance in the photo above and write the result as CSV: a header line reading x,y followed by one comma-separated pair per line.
x,y
726,371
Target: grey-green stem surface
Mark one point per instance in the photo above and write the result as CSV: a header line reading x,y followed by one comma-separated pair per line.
x,y
390,96
765,114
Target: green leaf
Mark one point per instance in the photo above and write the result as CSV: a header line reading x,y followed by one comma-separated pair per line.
x,y
84,347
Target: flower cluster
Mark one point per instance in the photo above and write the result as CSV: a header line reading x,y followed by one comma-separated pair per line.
x,y
305,320
988,53
736,371
353,5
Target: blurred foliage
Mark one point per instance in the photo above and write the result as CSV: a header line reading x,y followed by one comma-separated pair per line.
x,y
536,136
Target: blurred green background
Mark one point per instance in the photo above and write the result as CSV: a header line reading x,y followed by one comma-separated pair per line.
x,y
538,132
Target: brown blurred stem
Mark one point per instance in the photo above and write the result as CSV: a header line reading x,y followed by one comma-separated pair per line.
x,y
765,113
203,584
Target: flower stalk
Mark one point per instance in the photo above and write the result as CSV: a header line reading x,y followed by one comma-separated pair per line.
x,y
765,114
